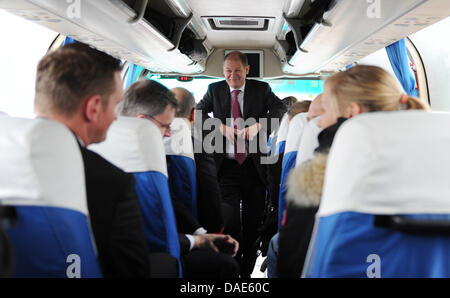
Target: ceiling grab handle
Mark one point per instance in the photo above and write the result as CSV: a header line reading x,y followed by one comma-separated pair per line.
x,y
180,25
139,7
295,25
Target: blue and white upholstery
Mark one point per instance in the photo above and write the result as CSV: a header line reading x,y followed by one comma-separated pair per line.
x,y
181,165
309,141
271,142
43,179
295,132
273,137
385,208
281,135
135,145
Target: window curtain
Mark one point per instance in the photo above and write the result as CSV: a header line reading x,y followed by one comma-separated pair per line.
x,y
68,40
398,56
133,74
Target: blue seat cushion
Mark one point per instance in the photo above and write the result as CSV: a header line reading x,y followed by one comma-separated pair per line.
x,y
45,240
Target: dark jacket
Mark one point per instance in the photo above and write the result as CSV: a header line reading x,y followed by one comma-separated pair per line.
x,y
208,192
208,198
293,240
116,218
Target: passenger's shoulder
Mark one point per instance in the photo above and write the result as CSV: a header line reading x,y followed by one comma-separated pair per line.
x,y
219,84
95,161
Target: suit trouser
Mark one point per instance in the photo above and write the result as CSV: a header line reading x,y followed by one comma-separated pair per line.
x,y
163,265
241,184
209,264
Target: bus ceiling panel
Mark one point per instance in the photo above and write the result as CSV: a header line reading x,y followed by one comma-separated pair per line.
x,y
105,25
355,29
235,23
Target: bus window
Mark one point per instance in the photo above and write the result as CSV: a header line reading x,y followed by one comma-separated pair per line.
x,y
301,89
198,86
23,43
433,45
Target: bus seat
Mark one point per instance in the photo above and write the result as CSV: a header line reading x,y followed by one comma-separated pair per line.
x,y
280,142
309,141
135,145
42,181
293,139
272,141
386,179
276,145
181,165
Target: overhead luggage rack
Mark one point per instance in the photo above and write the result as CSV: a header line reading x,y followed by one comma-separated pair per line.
x,y
106,26
345,31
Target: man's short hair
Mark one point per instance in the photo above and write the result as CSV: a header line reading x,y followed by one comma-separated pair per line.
x,y
146,97
69,75
289,101
186,102
236,55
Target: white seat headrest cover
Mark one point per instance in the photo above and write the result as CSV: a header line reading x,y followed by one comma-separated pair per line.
x,y
295,132
389,163
134,145
41,165
283,130
309,141
180,141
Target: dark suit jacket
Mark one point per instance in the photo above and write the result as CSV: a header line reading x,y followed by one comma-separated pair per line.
x,y
208,192
208,198
185,244
259,103
293,240
116,218
208,202
186,222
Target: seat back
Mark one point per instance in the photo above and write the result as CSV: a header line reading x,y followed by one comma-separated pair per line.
x,y
385,209
273,137
295,132
271,142
181,165
309,141
43,180
280,138
135,145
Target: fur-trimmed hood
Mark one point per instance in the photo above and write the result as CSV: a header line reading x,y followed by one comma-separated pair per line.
x,y
305,181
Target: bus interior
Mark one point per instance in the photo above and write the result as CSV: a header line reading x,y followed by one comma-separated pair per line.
x,y
294,45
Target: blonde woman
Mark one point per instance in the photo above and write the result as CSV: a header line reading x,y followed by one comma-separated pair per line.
x,y
361,89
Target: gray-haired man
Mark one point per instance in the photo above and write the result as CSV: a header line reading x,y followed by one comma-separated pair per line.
x,y
199,253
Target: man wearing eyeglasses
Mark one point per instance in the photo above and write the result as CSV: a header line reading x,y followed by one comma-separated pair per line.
x,y
163,121
147,99
200,256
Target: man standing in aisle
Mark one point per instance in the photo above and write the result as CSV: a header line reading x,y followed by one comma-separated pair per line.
x,y
242,106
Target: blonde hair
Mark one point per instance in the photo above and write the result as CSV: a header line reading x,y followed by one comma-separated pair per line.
x,y
373,88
